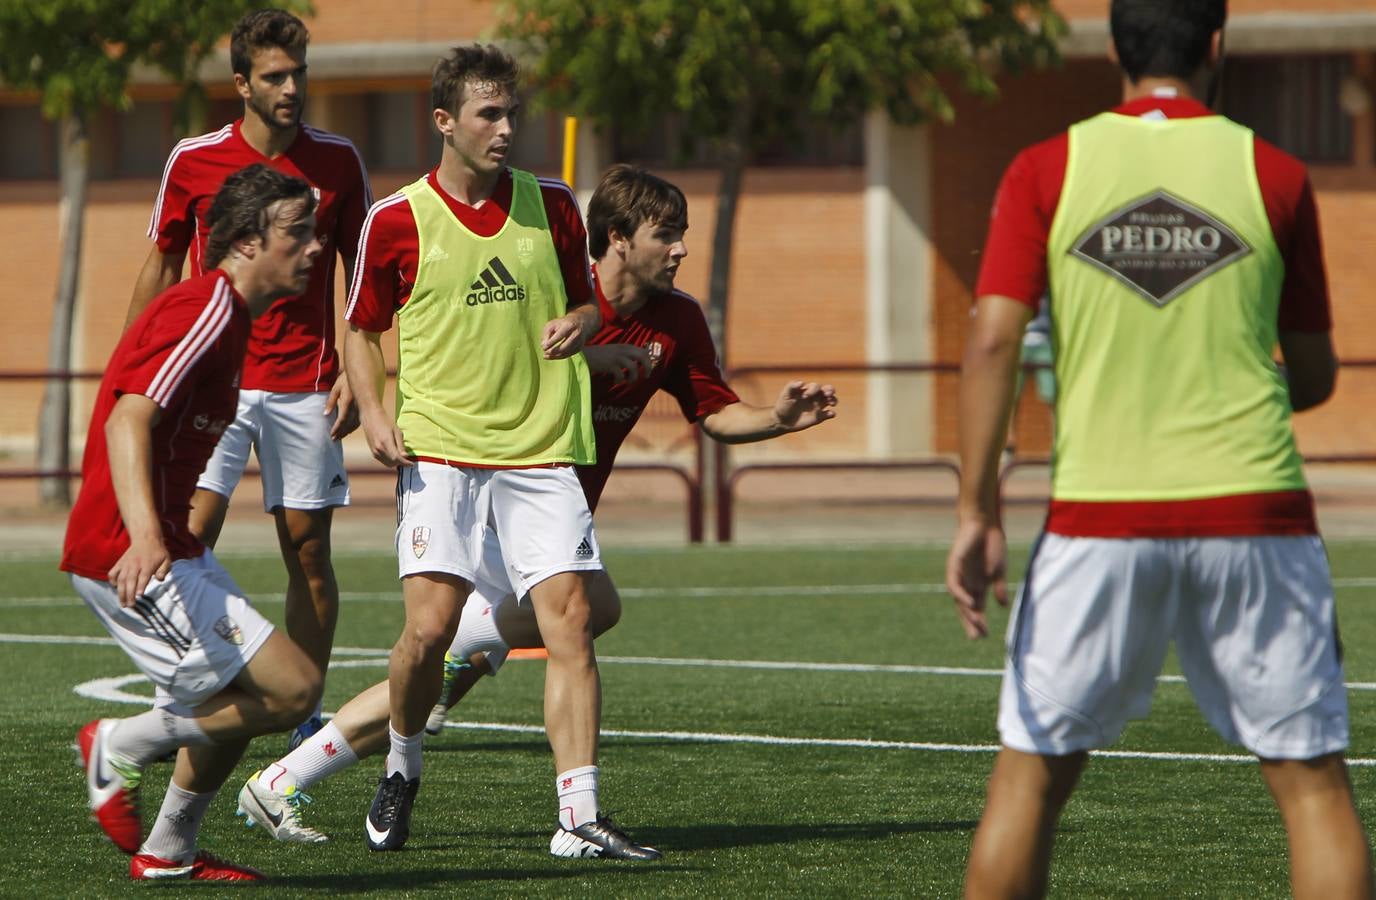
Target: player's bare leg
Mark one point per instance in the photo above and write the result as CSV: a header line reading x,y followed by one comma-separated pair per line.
x,y
312,593
1011,854
272,691
312,601
1329,853
573,688
434,604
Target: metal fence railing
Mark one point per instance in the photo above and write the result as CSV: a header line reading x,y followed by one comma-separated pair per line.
x,y
686,444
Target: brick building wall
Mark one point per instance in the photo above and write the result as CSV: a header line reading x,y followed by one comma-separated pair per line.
x,y
800,255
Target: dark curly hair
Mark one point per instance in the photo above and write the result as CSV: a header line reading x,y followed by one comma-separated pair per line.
x,y
240,207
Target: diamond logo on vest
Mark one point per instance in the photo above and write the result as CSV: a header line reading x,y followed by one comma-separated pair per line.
x,y
1160,246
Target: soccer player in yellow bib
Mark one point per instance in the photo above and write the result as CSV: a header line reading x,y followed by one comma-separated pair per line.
x,y
1180,250
485,270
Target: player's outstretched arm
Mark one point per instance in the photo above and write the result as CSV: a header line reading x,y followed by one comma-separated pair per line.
x,y
978,557
160,271
800,406
129,443
624,363
367,371
567,334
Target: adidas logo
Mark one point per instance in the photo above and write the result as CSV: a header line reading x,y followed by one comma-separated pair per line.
x,y
494,285
337,481
435,254
584,550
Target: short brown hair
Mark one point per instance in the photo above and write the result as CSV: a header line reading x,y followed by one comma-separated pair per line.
x,y
627,197
240,207
261,29
471,64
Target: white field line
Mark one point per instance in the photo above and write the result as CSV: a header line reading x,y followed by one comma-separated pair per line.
x,y
371,656
112,690
653,593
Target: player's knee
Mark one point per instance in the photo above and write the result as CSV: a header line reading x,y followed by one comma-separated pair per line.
x,y
294,699
430,634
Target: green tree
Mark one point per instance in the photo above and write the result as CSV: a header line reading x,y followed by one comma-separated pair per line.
x,y
78,55
740,74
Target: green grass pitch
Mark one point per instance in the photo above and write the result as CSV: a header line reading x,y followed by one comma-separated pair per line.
x,y
852,766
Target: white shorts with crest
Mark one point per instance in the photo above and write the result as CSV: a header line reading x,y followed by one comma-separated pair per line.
x,y
537,520
190,632
1253,623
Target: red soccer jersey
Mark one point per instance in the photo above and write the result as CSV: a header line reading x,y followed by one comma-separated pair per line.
x,y
291,348
1014,266
185,352
672,328
389,250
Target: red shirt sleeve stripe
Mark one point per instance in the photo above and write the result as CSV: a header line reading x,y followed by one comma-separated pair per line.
x,y
211,323
183,146
361,262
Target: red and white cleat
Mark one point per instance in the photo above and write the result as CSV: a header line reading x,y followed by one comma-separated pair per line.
x,y
204,867
112,786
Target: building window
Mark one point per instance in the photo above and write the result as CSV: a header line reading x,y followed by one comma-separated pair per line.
x,y
143,140
29,150
394,141
807,143
1293,102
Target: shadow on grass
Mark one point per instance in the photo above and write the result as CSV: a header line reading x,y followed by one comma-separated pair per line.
x,y
413,879
701,836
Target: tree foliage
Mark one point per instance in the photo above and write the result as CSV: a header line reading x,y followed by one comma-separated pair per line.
x,y
80,53
721,64
79,56
739,75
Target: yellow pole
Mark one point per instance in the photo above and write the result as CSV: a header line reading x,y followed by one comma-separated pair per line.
x,y
570,148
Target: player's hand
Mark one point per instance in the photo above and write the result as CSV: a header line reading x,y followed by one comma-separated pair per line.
x,y
141,563
341,402
385,440
804,404
624,363
978,562
562,337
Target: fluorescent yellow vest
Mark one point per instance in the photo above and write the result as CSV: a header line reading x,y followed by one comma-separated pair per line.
x,y
1165,282
472,383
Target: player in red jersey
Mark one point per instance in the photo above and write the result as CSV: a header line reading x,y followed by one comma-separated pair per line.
x,y
653,338
1134,557
223,674
295,403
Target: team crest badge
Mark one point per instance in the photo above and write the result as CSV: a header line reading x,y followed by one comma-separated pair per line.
x,y
229,631
656,351
420,540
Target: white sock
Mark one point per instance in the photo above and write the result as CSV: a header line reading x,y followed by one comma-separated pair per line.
x,y
173,836
478,634
404,757
152,735
577,789
321,755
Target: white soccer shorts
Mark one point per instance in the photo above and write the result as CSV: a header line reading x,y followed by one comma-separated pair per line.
x,y
302,467
1254,628
190,632
540,518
